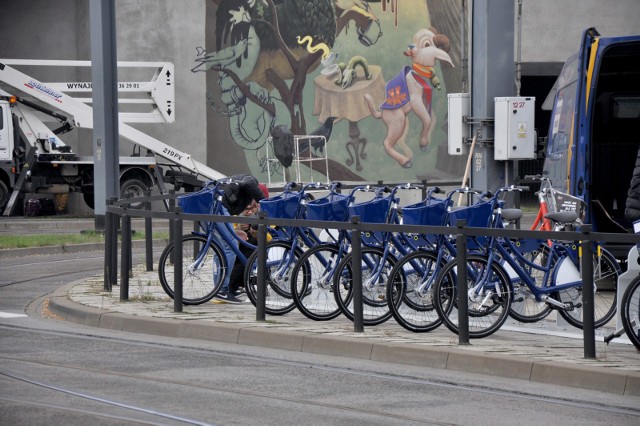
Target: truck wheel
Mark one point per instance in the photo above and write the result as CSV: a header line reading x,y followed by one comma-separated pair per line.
x,y
89,200
134,188
4,196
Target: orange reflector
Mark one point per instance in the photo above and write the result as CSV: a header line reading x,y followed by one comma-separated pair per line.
x,y
13,99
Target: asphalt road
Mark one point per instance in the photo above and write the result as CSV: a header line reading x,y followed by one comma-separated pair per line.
x,y
56,372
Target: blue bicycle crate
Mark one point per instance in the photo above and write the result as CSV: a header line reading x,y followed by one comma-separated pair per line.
x,y
372,211
200,202
476,215
333,208
428,212
284,206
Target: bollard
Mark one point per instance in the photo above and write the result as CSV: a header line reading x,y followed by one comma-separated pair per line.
x,y
115,225
125,266
148,235
172,206
261,293
177,260
356,275
588,321
461,285
108,242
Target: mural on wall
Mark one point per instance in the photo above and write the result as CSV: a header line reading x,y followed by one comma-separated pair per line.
x,y
351,71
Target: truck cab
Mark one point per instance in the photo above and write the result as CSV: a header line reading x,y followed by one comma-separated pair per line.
x,y
593,138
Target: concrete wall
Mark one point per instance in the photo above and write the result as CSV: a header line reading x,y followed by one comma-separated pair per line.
x,y
551,29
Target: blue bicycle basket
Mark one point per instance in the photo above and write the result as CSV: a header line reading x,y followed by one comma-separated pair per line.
x,y
333,208
372,211
283,206
477,216
200,202
431,211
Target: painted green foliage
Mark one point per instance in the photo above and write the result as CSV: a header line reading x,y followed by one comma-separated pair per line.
x,y
332,58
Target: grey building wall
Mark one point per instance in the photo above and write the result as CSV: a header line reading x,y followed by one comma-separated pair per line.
x,y
551,29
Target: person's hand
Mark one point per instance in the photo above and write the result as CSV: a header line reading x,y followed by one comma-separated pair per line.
x,y
242,234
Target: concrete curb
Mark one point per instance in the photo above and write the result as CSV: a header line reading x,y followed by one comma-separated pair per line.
x,y
262,335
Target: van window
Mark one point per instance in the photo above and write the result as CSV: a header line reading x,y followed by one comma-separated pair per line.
x,y
557,162
1,119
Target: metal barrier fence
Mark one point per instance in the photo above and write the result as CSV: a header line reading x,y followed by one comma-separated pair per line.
x,y
118,211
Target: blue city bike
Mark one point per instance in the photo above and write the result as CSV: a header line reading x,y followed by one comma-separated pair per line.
x,y
204,262
507,273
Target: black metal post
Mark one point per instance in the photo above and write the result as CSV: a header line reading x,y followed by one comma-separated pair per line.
x,y
177,260
125,266
148,235
461,285
262,270
108,242
356,275
115,226
172,205
588,307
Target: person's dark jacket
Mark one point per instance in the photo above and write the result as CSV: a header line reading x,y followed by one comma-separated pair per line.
x,y
632,206
240,192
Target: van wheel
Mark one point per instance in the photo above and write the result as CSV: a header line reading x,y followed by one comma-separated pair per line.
x,y
4,196
134,188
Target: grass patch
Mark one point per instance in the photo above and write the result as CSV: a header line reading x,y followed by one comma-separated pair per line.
x,y
42,240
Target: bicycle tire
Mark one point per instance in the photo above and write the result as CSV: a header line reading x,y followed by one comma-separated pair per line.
x,y
375,308
410,306
483,320
199,283
630,312
278,299
311,282
524,306
605,283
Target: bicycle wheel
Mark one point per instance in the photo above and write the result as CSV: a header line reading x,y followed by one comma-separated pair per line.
x,y
489,296
203,269
376,268
410,291
311,282
280,262
630,312
605,284
524,306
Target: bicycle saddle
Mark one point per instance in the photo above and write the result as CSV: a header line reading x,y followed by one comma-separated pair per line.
x,y
511,214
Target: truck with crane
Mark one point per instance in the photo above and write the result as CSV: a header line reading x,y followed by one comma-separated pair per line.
x,y
35,159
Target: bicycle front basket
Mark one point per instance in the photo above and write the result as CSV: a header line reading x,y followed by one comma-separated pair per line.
x,y
429,212
283,206
333,208
372,211
477,215
563,202
200,202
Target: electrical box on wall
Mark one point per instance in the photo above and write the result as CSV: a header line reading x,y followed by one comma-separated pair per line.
x,y
514,132
458,108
